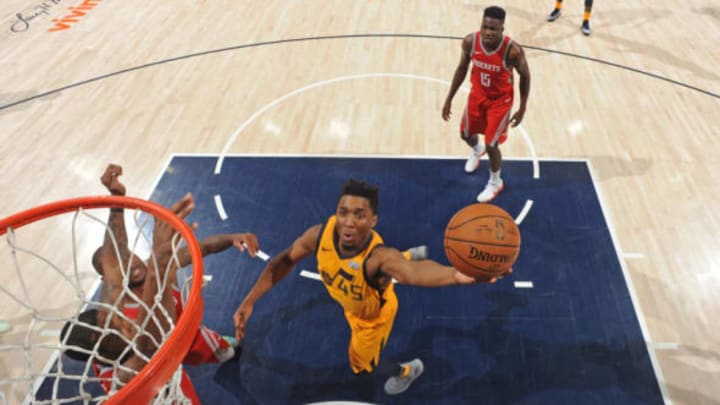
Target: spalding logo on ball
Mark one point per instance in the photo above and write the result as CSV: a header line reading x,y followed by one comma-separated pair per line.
x,y
482,241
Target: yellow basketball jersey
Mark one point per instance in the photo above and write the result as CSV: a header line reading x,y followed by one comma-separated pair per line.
x,y
344,277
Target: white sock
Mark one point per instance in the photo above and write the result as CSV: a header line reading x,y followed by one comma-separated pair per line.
x,y
495,176
479,148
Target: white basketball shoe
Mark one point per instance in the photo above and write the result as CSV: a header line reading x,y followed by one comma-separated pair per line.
x,y
492,189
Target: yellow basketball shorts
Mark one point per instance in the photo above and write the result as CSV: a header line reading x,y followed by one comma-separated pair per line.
x,y
368,336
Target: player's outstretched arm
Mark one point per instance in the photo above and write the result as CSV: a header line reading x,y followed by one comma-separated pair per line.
x,y
114,251
116,221
161,273
276,269
163,233
156,283
112,256
219,243
389,261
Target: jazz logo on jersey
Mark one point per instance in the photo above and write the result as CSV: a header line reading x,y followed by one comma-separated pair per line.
x,y
344,283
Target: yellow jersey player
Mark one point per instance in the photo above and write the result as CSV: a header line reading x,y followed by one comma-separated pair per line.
x,y
357,269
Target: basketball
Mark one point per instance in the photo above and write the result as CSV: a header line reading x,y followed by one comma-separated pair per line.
x,y
482,241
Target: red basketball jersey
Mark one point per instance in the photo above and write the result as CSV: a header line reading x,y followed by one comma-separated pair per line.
x,y
105,373
490,75
132,309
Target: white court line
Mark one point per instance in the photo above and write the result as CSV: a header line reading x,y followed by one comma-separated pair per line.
x,y
371,156
523,284
168,168
295,92
536,164
665,346
220,208
631,290
524,212
262,255
256,114
633,255
310,274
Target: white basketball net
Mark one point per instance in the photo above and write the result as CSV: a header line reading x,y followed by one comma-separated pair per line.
x,y
48,279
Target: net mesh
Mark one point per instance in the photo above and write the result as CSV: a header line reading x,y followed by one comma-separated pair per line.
x,y
49,281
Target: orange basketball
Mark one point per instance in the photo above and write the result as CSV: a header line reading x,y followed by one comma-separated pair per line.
x,y
482,241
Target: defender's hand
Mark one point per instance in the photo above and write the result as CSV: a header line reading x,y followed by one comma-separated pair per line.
x,y
162,231
242,314
247,241
110,179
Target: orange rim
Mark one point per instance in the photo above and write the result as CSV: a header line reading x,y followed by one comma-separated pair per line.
x,y
166,360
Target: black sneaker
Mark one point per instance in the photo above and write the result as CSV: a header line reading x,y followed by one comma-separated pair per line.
x,y
554,15
585,28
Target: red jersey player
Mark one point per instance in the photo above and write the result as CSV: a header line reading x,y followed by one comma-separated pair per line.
x,y
207,346
493,56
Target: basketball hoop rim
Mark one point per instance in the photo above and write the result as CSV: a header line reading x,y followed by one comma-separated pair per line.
x,y
166,360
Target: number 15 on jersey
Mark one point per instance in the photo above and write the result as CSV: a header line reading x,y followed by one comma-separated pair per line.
x,y
485,79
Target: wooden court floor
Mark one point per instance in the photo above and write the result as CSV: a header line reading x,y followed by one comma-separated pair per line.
x,y
132,82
